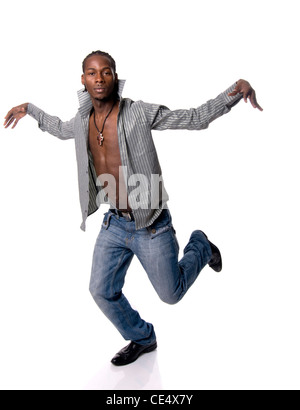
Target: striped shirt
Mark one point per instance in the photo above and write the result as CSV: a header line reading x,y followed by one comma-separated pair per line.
x,y
136,120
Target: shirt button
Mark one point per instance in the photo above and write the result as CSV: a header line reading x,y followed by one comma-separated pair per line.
x,y
153,230
105,223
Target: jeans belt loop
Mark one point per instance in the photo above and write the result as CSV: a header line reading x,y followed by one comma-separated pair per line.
x,y
106,223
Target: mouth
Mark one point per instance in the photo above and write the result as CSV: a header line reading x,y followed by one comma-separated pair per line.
x,y
99,90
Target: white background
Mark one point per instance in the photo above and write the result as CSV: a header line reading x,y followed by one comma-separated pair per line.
x,y
237,181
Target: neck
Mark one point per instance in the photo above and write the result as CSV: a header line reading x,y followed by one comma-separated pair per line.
x,y
101,106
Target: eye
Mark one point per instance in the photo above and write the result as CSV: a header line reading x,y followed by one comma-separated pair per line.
x,y
91,74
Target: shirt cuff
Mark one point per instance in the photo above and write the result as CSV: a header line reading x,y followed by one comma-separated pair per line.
x,y
231,101
33,111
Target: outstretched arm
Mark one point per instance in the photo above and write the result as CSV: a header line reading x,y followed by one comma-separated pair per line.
x,y
53,125
162,118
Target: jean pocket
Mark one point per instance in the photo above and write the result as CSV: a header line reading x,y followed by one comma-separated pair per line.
x,y
154,232
161,225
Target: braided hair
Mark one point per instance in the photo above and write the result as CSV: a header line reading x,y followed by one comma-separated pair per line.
x,y
103,54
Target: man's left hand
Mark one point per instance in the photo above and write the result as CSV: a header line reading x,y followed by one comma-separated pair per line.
x,y
243,87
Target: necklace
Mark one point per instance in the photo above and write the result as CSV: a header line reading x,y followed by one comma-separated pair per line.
x,y
100,137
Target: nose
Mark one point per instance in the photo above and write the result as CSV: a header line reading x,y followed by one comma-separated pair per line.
x,y
99,78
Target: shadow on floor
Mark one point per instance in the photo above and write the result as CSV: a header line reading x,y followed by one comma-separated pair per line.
x,y
142,375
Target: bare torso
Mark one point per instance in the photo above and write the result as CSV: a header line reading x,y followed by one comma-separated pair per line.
x,y
106,157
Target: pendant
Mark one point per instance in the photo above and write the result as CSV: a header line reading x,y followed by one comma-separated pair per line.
x,y
100,139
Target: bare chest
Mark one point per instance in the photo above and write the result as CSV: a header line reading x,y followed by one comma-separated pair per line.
x,y
105,147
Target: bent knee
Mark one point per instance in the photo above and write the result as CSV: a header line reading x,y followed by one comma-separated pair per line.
x,y
93,290
170,299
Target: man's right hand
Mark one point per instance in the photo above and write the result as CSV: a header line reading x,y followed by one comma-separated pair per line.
x,y
15,114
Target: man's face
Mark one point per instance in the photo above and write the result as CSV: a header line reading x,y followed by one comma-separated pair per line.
x,y
99,77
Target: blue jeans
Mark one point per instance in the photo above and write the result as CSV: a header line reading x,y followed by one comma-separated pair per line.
x,y
157,248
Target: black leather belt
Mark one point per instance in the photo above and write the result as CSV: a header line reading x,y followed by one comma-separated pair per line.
x,y
127,215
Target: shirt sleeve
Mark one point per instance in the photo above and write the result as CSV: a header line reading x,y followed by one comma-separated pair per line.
x,y
53,125
162,118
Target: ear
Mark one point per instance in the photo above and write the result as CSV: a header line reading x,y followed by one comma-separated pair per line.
x,y
82,79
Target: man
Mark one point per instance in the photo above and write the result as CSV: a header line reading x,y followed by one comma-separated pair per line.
x,y
117,162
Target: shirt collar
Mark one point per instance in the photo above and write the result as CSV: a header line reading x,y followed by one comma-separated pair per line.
x,y
85,102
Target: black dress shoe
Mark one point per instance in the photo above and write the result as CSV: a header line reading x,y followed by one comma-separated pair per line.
x,y
216,259
131,353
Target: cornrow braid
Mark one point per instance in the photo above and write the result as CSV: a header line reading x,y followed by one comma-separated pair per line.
x,y
103,54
